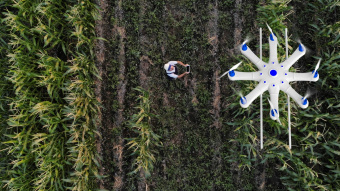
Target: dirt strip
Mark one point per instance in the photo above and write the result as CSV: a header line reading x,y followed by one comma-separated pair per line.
x,y
118,143
104,118
110,145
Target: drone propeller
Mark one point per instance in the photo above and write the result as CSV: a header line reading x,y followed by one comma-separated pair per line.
x,y
270,29
231,69
306,96
245,42
315,72
309,93
274,111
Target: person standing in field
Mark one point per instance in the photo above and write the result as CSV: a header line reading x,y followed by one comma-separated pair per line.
x,y
171,69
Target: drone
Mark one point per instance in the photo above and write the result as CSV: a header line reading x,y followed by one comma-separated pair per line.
x,y
273,76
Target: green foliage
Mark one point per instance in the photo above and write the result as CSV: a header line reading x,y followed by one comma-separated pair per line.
x,y
82,105
274,14
316,163
5,95
143,145
52,132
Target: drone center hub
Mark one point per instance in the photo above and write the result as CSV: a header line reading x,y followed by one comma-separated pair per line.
x,y
273,73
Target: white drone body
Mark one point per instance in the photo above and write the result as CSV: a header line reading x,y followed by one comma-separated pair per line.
x,y
273,76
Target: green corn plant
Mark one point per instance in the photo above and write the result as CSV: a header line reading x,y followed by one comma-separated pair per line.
x,y
82,104
313,165
5,94
274,13
318,133
52,72
23,76
143,146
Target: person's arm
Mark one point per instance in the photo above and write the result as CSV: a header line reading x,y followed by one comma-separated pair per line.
x,y
180,76
181,63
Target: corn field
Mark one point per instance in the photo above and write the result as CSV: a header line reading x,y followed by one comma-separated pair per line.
x,y
85,103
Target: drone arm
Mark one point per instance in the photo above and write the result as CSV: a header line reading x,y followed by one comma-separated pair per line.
x,y
299,52
302,77
274,99
255,76
273,48
251,56
260,88
293,94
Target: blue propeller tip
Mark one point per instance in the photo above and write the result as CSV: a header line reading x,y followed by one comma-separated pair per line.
x,y
301,48
244,47
271,37
231,73
304,101
243,100
272,112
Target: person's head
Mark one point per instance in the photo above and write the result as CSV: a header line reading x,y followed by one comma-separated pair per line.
x,y
169,67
